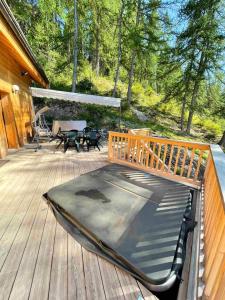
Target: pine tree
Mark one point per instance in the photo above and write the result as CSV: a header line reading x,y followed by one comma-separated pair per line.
x,y
200,47
75,47
119,53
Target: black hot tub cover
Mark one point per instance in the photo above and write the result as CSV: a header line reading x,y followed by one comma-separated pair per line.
x,y
136,220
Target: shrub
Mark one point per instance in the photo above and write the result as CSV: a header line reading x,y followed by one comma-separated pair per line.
x,y
137,89
171,107
85,85
103,85
197,120
212,127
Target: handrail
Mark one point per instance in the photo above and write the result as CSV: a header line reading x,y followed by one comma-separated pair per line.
x,y
218,157
214,225
176,160
199,145
140,131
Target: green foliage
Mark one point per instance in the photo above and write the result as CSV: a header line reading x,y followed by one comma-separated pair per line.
x,y
171,107
212,127
167,55
85,86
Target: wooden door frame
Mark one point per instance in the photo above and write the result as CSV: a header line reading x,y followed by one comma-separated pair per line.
x,y
3,137
9,120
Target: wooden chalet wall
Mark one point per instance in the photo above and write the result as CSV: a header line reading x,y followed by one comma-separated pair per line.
x,y
16,109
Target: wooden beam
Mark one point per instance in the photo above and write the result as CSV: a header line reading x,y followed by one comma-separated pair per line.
x,y
16,51
3,139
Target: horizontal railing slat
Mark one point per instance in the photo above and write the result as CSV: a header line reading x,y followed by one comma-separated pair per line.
x,y
200,146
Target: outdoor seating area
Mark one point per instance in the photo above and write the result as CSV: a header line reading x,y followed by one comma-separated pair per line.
x,y
68,134
78,140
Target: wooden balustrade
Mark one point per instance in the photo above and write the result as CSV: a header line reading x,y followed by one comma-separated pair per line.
x,y
214,225
140,131
177,160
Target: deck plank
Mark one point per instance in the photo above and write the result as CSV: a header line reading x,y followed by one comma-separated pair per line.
x,y
76,278
58,280
14,179
14,219
110,280
23,281
25,223
42,275
93,280
14,200
147,295
41,279
129,285
59,270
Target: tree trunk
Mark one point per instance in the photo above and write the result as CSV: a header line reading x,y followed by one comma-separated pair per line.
x,y
133,56
97,56
192,106
68,52
200,72
184,100
119,48
187,80
97,52
222,140
75,47
130,78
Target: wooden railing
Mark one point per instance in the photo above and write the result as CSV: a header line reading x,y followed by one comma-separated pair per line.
x,y
177,160
140,131
214,225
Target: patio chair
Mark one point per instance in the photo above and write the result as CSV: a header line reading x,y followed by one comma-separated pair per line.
x,y
93,139
59,136
87,130
71,140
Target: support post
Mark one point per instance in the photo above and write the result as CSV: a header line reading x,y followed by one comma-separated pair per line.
x,y
120,118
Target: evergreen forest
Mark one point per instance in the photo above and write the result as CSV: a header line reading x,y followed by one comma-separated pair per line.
x,y
163,58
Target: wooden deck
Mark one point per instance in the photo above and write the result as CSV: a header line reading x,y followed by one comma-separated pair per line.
x,y
38,259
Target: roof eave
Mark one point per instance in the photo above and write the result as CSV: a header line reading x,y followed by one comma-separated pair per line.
x,y
14,26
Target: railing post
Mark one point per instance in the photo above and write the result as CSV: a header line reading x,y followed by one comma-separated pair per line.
x,y
128,148
110,150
